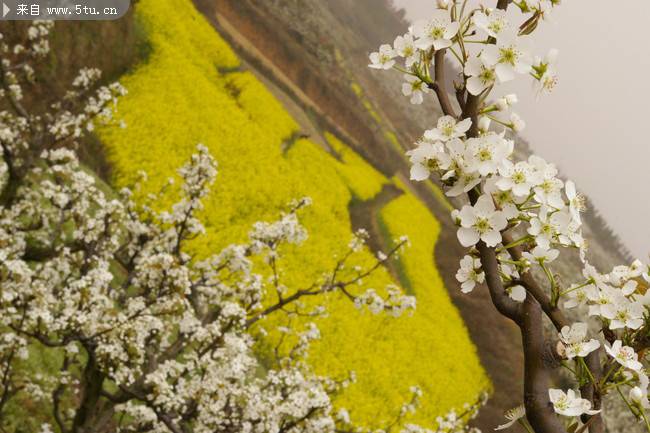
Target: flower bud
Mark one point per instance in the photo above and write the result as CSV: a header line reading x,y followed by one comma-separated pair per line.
x,y
636,395
443,4
517,123
484,124
506,102
511,99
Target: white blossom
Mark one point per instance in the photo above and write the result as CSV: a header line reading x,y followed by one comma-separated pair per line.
x,y
470,273
569,403
624,355
481,222
383,59
436,32
574,340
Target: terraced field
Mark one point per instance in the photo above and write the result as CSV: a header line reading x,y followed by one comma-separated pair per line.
x,y
192,89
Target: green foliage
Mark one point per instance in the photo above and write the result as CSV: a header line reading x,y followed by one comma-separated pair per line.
x,y
179,98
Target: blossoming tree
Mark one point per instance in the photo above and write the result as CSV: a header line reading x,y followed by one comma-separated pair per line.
x,y
519,215
144,335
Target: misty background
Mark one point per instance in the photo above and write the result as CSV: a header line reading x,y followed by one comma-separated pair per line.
x,y
593,126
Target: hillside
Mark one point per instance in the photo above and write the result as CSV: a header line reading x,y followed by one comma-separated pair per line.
x,y
314,54
280,92
265,161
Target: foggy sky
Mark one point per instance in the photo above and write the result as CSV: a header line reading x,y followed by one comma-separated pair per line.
x,y
594,126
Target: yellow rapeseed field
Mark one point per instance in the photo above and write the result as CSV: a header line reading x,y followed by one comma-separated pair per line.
x,y
178,98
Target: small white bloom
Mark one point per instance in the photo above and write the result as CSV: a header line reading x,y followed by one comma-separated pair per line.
x,y
508,58
541,255
481,222
426,158
436,32
506,102
624,355
576,200
415,88
383,59
517,124
623,314
570,403
405,47
494,24
448,128
573,338
470,273
513,415
519,177
481,75
548,227
489,151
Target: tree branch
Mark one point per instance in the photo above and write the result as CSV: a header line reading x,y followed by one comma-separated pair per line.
x,y
438,85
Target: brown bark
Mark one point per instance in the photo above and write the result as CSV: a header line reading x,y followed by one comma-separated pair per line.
x,y
528,315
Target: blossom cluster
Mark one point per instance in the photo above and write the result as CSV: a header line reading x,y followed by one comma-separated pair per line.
x,y
150,336
520,210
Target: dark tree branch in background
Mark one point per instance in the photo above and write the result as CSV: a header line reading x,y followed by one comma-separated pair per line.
x,y
438,85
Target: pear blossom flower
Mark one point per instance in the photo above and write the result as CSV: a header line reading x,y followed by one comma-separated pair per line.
x,y
383,59
448,128
573,339
506,201
577,296
415,88
470,273
467,179
601,296
426,158
436,32
541,255
624,355
508,57
623,314
547,82
545,72
462,169
519,177
570,403
576,200
547,227
513,415
517,124
506,102
489,151
481,75
517,293
481,222
404,46
621,274
495,24
549,190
